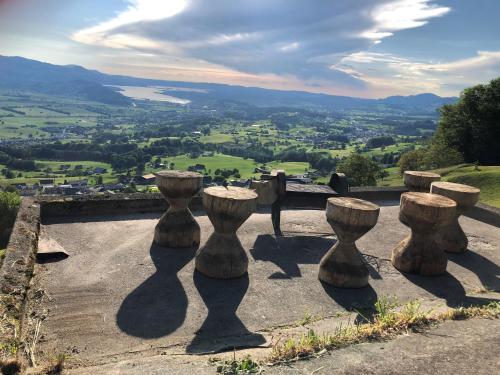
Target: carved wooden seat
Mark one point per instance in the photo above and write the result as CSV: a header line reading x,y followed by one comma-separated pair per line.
x,y
420,180
426,214
343,264
452,237
223,256
177,227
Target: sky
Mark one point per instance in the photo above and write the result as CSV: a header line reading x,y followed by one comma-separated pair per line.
x,y
364,48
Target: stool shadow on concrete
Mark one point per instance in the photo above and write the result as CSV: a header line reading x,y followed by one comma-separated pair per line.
x,y
487,271
158,306
290,251
358,300
447,287
222,329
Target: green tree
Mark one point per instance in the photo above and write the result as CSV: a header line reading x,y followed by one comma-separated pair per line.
x,y
359,170
472,125
411,160
435,155
9,204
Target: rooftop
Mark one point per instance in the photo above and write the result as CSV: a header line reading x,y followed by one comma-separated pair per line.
x,y
118,297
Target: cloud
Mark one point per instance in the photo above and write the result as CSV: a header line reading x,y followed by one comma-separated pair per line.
x,y
389,72
288,38
401,15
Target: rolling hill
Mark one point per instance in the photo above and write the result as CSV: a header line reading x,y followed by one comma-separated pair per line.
x,y
18,73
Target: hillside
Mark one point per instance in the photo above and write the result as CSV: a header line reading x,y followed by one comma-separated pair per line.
x,y
18,73
486,178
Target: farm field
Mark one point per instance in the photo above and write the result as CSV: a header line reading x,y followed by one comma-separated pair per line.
x,y
51,170
211,163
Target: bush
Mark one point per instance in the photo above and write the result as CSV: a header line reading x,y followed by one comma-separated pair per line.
x,y
437,155
9,204
411,160
359,170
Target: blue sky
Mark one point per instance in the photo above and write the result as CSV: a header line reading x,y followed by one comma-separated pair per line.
x,y
367,48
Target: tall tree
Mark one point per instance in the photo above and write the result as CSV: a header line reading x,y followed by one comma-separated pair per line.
x,y
472,125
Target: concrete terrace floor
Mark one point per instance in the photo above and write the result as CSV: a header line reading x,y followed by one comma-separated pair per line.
x,y
118,297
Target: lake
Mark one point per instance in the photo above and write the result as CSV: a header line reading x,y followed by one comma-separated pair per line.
x,y
150,93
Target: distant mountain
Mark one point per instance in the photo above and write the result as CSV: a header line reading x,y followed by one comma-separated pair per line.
x,y
19,73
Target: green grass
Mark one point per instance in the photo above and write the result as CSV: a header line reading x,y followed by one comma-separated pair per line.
x,y
486,178
218,161
290,167
216,138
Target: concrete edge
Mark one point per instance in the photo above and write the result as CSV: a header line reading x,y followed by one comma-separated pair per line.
x,y
485,213
17,266
377,193
20,254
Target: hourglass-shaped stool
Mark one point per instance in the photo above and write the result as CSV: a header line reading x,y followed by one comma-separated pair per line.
x,y
177,227
343,265
223,256
452,238
426,214
420,180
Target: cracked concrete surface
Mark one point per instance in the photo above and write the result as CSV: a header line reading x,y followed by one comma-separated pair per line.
x,y
118,297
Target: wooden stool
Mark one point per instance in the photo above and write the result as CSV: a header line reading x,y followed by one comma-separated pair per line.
x,y
343,264
223,256
177,227
452,237
419,180
425,214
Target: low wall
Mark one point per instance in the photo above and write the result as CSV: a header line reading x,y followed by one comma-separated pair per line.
x,y
106,204
485,213
377,193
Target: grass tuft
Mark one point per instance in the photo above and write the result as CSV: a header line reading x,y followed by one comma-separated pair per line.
x,y
387,322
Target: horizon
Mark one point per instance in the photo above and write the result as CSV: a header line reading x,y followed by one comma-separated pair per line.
x,y
366,49
232,84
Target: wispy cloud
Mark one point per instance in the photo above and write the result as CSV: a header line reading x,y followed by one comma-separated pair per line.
x,y
314,43
389,72
400,15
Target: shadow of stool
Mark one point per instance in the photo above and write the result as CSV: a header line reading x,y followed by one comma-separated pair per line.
x,y
222,329
158,306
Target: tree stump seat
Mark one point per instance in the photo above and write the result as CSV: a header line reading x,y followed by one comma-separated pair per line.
x,y
425,214
177,227
343,265
223,256
452,238
420,181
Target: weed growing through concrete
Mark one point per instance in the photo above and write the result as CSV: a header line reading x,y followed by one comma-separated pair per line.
x,y
236,366
386,323
307,319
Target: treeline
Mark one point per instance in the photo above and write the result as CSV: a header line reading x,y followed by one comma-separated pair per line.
x,y
379,142
468,131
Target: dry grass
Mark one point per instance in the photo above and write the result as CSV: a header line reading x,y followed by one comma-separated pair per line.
x,y
387,322
11,367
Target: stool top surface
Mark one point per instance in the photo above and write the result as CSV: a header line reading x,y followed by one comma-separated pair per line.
x,y
459,188
231,192
353,203
423,174
428,199
177,174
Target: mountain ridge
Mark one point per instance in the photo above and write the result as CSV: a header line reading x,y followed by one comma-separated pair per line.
x,y
25,74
